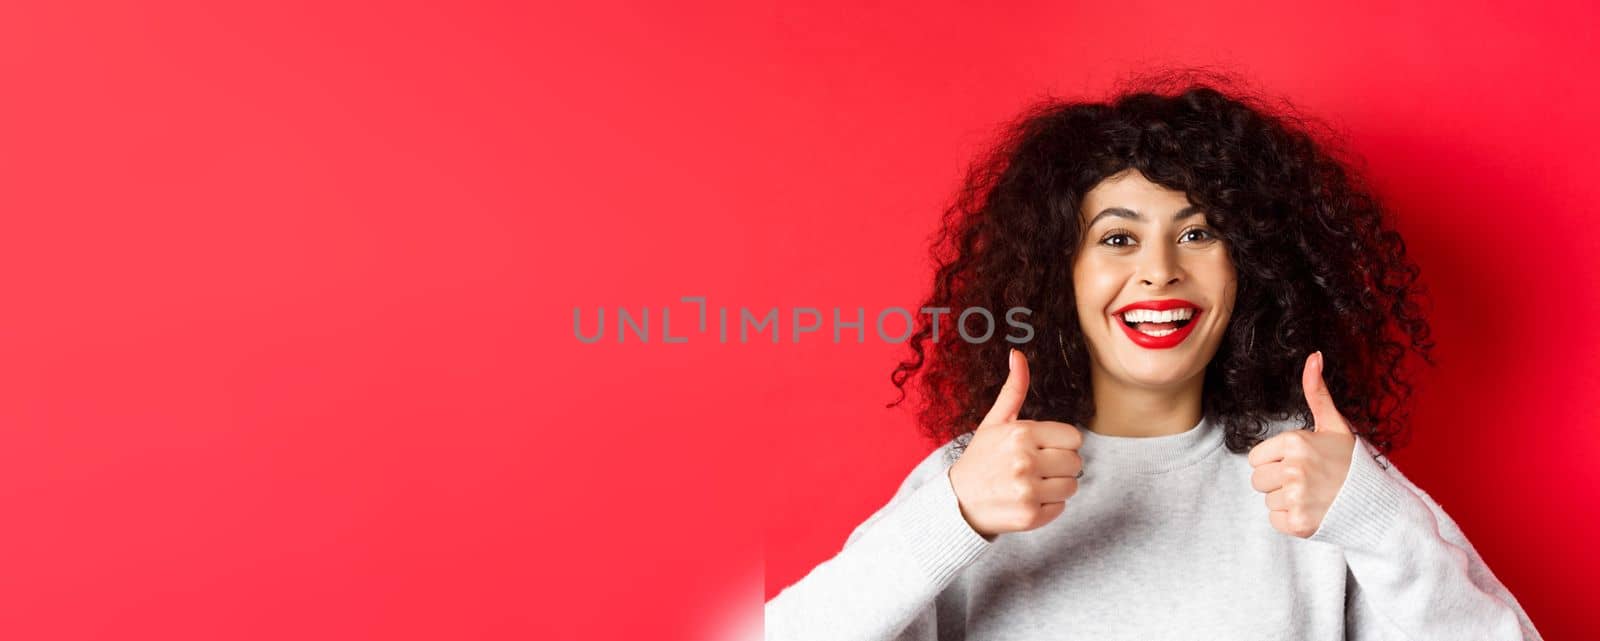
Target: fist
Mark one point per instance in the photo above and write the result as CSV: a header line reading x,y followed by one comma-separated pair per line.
x,y
1016,475
1299,471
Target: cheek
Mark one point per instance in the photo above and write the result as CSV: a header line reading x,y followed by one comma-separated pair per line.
x,y
1094,286
1226,285
1217,272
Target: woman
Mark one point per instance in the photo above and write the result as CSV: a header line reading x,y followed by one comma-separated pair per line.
x,y
1194,446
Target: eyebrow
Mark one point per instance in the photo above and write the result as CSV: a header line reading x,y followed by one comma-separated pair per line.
x,y
1122,212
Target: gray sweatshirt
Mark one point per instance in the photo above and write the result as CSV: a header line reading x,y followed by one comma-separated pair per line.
x,y
1164,539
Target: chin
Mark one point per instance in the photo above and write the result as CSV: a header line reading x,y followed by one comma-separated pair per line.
x,y
1160,374
1155,381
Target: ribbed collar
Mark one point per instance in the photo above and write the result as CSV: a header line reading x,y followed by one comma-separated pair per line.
x,y
1148,454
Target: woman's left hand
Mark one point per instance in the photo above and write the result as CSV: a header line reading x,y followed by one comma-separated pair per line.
x,y
1301,471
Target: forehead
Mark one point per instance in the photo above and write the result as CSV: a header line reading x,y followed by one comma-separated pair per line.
x,y
1131,190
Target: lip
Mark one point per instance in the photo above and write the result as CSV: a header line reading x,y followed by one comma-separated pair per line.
x,y
1159,342
1158,305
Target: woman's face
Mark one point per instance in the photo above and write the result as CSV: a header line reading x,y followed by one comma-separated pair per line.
x,y
1145,247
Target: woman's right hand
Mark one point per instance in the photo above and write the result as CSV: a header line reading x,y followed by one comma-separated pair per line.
x,y
1016,475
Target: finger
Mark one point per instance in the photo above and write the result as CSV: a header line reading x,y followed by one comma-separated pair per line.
x,y
1280,521
1049,511
1267,478
1272,449
1009,402
1054,490
1052,462
1278,500
1324,413
1052,434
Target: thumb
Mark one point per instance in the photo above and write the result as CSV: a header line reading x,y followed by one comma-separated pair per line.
x,y
1009,402
1324,413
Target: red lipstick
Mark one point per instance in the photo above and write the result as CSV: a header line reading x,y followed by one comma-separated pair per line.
x,y
1158,305
1159,342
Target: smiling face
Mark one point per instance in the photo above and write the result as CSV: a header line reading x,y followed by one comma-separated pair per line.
x,y
1145,245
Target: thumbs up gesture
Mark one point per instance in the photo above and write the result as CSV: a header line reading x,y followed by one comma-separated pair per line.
x,y
1301,472
1016,475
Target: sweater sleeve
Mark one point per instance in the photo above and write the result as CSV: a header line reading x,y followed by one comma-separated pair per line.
x,y
1412,573
882,585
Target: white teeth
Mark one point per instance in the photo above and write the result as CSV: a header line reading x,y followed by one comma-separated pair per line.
x,y
1158,332
1153,316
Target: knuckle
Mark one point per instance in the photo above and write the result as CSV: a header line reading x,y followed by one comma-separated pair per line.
x,y
1298,522
1023,493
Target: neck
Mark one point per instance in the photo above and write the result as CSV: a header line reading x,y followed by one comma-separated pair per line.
x,y
1122,410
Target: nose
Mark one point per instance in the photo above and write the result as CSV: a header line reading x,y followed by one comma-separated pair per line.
x,y
1160,268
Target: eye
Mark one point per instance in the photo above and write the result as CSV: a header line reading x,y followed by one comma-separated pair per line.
x,y
1205,234
1115,234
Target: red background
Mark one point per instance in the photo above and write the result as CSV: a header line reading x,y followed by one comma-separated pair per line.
x,y
288,349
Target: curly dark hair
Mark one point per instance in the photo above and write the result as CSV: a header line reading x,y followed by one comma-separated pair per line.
x,y
1319,264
